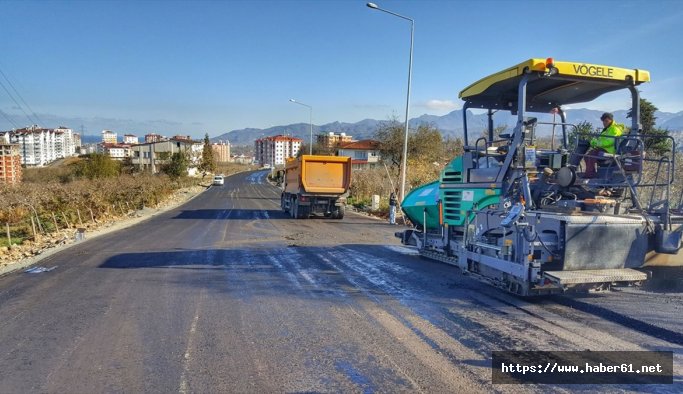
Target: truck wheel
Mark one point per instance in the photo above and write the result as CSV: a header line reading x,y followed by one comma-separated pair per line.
x,y
283,203
295,210
339,213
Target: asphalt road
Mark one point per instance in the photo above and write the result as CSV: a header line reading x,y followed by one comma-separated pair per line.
x,y
228,294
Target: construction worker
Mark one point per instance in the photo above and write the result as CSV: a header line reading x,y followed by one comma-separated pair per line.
x,y
393,202
598,146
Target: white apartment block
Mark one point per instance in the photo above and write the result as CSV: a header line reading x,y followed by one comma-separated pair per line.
x,y
130,139
39,146
64,142
277,149
109,137
77,140
36,145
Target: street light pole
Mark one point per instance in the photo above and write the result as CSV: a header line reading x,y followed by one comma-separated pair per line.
x,y
310,147
404,165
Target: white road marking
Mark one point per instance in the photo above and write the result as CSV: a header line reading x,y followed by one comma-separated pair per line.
x,y
183,389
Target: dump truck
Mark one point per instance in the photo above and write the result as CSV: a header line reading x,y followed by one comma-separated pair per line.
x,y
523,216
316,185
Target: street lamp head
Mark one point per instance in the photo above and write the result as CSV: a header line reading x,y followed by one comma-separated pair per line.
x,y
292,100
372,5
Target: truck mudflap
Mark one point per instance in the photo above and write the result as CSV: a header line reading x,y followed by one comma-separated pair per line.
x,y
579,277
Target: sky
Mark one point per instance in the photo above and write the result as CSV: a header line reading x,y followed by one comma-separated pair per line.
x,y
196,67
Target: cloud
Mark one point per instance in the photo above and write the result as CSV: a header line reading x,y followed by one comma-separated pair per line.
x,y
440,105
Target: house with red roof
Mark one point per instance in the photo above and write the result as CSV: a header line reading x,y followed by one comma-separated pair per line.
x,y
363,153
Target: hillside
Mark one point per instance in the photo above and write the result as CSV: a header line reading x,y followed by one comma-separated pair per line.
x,y
450,124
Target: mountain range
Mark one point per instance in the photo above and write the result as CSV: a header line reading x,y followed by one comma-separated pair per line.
x,y
450,125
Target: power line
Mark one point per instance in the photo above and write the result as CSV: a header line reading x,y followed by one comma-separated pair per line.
x,y
4,115
17,103
20,97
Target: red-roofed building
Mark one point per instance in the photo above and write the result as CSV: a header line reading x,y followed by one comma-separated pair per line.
x,y
363,153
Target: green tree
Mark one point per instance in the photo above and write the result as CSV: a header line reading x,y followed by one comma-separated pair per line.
x,y
654,137
425,144
177,168
208,162
581,131
98,166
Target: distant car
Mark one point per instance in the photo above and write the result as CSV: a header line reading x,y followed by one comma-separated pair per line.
x,y
266,166
218,180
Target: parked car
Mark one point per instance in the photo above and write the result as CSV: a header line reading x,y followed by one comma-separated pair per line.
x,y
218,180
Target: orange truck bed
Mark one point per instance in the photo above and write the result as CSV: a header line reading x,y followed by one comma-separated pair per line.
x,y
315,174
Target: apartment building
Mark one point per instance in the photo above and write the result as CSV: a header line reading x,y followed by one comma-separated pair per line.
x,y
153,137
115,151
77,141
277,149
10,161
36,145
109,137
39,146
363,153
64,142
130,139
150,156
331,140
221,151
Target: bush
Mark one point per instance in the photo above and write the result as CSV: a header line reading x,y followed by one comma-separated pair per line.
x,y
54,205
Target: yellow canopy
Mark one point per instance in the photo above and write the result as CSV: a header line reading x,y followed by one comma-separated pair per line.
x,y
568,83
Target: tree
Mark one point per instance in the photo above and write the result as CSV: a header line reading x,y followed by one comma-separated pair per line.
x,y
127,166
654,138
325,150
582,131
97,166
452,147
390,136
208,162
424,144
178,165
